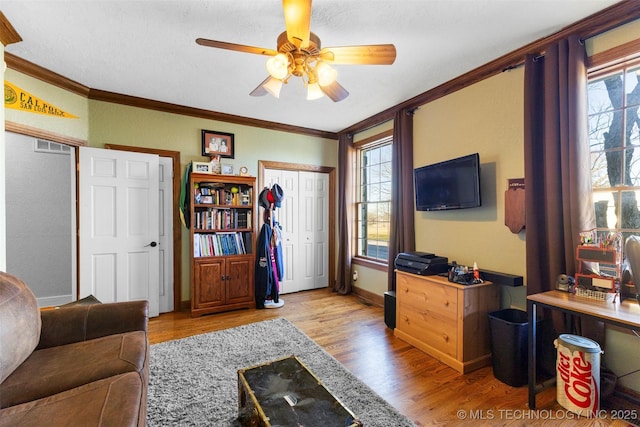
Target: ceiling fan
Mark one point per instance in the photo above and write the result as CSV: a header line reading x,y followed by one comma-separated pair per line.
x,y
300,54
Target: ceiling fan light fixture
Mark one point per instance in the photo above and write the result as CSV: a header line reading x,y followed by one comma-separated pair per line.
x,y
273,86
314,91
326,73
278,66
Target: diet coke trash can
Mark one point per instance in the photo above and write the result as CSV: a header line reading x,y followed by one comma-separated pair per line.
x,y
578,374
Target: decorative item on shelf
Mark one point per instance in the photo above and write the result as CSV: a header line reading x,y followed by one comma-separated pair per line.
x,y
244,171
226,169
215,164
201,167
565,283
216,143
597,295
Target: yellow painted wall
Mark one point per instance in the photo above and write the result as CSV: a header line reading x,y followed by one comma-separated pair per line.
x,y
118,124
486,118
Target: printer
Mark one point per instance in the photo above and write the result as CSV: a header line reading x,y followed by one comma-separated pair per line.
x,y
422,263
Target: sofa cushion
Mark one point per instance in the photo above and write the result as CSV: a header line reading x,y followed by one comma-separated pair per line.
x,y
19,323
56,369
113,401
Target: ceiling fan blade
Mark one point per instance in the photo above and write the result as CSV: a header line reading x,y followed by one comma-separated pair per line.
x,y
260,90
236,47
335,91
269,85
297,19
375,54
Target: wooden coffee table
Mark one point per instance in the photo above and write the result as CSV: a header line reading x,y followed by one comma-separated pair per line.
x,y
285,392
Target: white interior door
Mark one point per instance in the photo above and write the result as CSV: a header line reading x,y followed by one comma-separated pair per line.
x,y
321,229
118,223
314,225
306,230
165,194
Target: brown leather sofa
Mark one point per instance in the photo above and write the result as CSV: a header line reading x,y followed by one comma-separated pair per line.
x,y
79,365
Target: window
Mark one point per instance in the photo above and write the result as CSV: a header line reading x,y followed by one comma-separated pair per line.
x,y
373,203
614,141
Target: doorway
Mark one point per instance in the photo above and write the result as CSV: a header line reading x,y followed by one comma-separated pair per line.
x,y
25,173
41,217
307,218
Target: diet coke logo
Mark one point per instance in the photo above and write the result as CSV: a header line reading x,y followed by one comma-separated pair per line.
x,y
580,386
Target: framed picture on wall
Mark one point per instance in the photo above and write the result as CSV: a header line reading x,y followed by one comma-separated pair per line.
x,y
216,143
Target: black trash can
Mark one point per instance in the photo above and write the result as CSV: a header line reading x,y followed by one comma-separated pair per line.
x,y
509,344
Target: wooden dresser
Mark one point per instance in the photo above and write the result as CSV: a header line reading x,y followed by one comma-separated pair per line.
x,y
446,320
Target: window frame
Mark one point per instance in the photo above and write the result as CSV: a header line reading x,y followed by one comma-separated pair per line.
x,y
375,141
613,61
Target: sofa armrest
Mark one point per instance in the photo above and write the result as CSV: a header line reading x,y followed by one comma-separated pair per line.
x,y
85,322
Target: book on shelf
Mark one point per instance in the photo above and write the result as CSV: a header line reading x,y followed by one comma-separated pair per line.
x,y
223,219
221,243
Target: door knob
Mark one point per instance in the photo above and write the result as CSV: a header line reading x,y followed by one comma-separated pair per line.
x,y
152,244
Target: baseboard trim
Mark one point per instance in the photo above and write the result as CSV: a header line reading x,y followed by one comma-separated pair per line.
x,y
369,297
628,394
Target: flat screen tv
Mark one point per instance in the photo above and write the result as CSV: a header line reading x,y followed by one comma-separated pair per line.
x,y
452,184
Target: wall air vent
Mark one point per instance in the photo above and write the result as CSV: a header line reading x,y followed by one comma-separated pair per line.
x,y
44,146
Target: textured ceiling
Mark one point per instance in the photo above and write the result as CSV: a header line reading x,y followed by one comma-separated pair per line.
x,y
147,48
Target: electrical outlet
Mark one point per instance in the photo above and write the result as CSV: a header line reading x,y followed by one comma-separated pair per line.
x,y
355,276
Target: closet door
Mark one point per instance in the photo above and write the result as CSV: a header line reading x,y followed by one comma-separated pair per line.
x,y
321,279
304,220
314,225
289,219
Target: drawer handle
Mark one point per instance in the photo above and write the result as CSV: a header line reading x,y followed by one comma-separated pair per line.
x,y
406,319
446,337
446,303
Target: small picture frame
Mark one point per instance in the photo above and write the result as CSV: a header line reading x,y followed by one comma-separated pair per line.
x,y
226,169
201,167
215,164
216,143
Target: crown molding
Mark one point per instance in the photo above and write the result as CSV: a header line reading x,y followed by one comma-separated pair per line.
x,y
8,34
29,68
593,25
101,95
21,65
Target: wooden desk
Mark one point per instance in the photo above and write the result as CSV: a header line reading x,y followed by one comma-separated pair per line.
x,y
625,315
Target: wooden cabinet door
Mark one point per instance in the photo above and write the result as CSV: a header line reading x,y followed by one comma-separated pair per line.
x,y
239,280
209,291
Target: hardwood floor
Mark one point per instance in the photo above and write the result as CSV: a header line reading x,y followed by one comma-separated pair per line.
x,y
419,386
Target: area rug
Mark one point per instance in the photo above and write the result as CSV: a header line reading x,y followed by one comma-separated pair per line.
x,y
194,381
